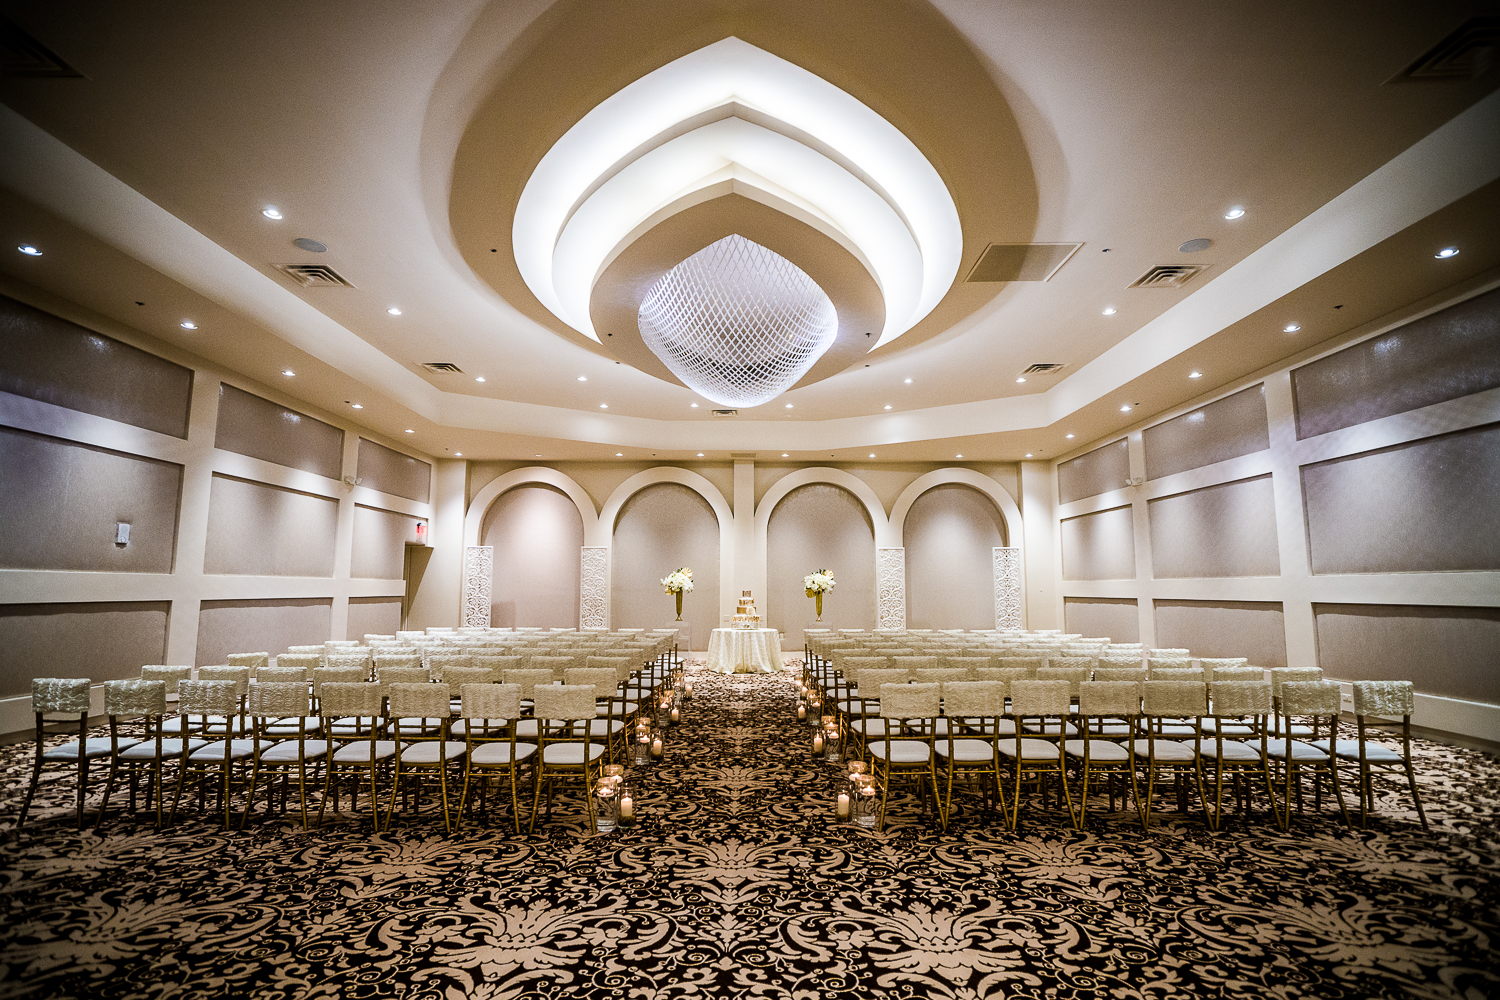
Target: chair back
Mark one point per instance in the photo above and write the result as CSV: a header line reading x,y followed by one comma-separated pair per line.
x,y
1311,699
404,675
871,681
1176,670
564,702
1136,673
1282,675
1119,662
1031,664
1237,699
1037,698
210,697
387,661
419,711
1384,699
169,675
498,662
491,701
969,699
1113,698
323,676
555,664
1073,675
1178,699
239,675
938,675
1085,663
135,698
528,680
623,666
1237,674
457,677
306,662
915,663
255,661
279,700
604,679
356,699
915,706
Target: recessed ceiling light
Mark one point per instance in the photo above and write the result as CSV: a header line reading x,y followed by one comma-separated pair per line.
x,y
458,454
1021,378
872,454
479,378
29,250
908,381
1234,213
619,454
1291,328
1068,436
700,454
288,372
410,431
1125,408
887,406
603,406
960,456
1109,310
785,455
358,406
1446,252
536,456
789,406
583,378
272,212
1028,454
394,311
1195,374
188,324
693,405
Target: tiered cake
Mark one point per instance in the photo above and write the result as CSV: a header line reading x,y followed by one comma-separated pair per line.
x,y
745,615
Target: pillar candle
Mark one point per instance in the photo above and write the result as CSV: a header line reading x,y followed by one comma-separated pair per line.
x,y
627,808
656,747
818,743
843,805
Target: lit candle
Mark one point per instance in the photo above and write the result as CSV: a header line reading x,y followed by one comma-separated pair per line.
x,y
676,714
687,688
656,747
817,743
843,805
627,808
801,712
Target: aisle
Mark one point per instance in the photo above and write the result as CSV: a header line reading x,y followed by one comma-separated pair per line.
x,y
736,883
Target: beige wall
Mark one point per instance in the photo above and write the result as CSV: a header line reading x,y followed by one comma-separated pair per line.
x,y
536,533
659,529
1336,511
102,640
951,533
816,527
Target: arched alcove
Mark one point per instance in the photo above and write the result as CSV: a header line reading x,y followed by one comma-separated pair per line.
x,y
536,532
951,531
815,526
659,528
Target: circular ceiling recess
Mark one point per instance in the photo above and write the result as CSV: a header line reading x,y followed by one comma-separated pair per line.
x,y
1193,246
737,323
781,135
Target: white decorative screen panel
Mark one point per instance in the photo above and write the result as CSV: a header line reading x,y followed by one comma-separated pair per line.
x,y
1008,588
479,568
890,588
593,587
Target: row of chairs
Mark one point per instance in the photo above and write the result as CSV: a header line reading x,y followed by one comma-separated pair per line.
x,y
1237,727
235,728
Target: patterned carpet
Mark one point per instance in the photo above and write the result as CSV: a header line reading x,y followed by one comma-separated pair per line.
x,y
736,883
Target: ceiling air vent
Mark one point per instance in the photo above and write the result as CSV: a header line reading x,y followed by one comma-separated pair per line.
x,y
725,413
1168,276
1466,53
22,55
315,276
1044,368
443,367
1021,261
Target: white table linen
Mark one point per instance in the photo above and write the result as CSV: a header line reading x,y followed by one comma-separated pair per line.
x,y
744,651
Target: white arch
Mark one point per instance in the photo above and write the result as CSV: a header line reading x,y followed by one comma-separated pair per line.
x,y
605,527
834,477
966,477
480,505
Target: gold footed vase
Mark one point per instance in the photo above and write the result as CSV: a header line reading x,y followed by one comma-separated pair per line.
x,y
817,602
679,605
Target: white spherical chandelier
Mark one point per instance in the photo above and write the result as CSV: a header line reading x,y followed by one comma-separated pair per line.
x,y
737,323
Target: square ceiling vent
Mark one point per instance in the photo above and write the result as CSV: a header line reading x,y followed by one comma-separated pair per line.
x,y
725,413
1466,53
315,275
1044,368
1021,261
1168,276
443,367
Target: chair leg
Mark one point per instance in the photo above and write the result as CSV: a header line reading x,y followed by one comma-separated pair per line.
x,y
109,787
1411,780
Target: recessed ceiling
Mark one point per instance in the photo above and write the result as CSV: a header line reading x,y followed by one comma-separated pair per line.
x,y
146,179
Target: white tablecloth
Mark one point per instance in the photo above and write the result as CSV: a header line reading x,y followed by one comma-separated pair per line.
x,y
744,651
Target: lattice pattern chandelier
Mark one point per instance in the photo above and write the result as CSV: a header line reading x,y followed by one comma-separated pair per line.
x,y
737,323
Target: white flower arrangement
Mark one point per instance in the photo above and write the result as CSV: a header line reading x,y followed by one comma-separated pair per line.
x,y
819,581
679,581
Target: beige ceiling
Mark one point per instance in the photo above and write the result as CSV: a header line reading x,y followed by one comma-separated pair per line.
x,y
400,137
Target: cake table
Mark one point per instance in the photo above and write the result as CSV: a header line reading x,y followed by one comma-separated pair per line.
x,y
745,651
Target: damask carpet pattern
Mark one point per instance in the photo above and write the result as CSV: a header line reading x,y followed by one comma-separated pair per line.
x,y
737,883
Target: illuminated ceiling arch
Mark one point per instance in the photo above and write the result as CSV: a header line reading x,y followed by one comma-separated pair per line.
x,y
731,110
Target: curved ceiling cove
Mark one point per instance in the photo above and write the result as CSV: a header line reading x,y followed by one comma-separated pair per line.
x,y
738,323
732,112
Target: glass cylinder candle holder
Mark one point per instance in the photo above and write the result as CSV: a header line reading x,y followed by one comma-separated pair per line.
x,y
814,709
856,767
817,743
627,806
642,743
801,709
864,801
607,804
657,747
843,800
830,739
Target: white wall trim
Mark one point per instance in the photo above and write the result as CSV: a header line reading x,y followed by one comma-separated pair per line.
x,y
481,502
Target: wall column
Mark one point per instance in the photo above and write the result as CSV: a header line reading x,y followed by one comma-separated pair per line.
x,y
1043,558
749,569
439,598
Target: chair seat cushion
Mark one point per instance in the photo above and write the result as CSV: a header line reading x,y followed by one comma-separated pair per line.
x,y
1278,727
867,727
95,746
966,751
1101,750
235,748
1049,728
570,753
419,723
605,727
1168,751
427,751
902,751
620,708
1030,749
1227,728
1232,750
460,727
359,752
146,749
1349,750
287,751
1115,730
217,725
989,727
499,753
1306,752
